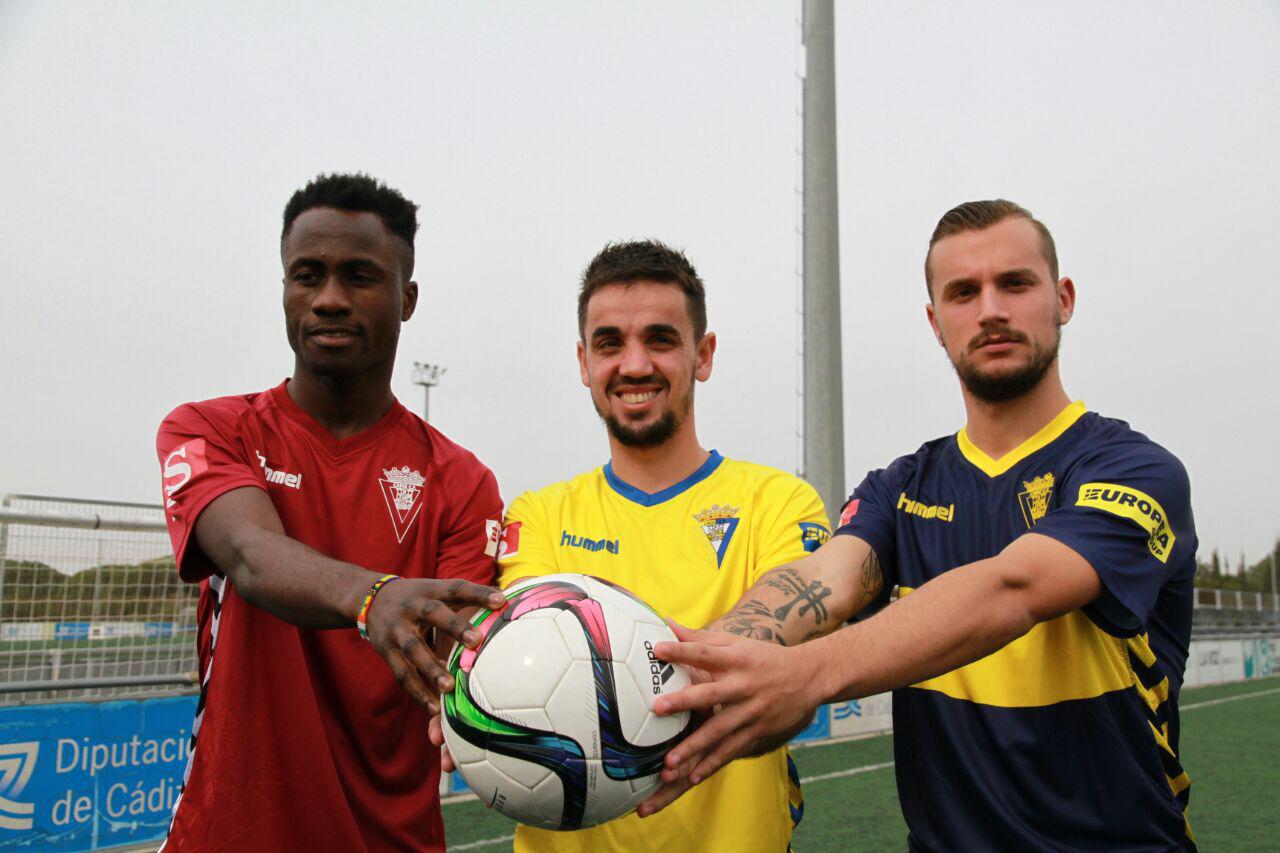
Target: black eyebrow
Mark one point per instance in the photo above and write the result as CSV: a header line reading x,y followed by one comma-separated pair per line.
x,y
663,328
655,328
360,264
604,332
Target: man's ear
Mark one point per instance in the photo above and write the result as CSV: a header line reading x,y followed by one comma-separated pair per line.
x,y
1066,300
933,324
706,355
408,300
582,364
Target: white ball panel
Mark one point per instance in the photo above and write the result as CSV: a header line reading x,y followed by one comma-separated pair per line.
x,y
530,718
607,799
659,729
643,787
521,665
478,697
573,635
624,602
572,707
549,796
527,773
497,788
631,709
620,627
462,750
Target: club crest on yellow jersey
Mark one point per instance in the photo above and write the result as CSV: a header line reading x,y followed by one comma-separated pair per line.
x,y
1034,500
718,524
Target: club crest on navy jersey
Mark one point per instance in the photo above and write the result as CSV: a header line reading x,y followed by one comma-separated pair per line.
x,y
1034,500
402,491
718,524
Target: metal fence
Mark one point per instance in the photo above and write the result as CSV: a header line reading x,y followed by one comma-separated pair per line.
x,y
91,605
1236,599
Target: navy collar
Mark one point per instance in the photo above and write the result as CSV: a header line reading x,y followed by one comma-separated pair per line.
x,y
635,495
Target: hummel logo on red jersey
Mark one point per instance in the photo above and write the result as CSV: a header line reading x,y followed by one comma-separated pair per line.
x,y
280,478
402,490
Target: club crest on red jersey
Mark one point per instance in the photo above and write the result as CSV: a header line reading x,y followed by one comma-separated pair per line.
x,y
402,491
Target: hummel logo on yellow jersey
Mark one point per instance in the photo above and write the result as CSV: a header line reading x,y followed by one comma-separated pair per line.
x,y
942,513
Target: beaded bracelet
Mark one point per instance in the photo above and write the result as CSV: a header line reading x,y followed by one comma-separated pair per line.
x,y
362,619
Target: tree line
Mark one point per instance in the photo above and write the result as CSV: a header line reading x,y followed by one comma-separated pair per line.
x,y
150,591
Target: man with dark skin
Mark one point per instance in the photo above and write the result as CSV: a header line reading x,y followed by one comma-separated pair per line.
x,y
324,504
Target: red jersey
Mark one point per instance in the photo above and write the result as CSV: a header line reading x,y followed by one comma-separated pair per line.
x,y
303,740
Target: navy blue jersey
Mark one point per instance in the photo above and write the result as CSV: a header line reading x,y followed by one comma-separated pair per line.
x,y
1066,738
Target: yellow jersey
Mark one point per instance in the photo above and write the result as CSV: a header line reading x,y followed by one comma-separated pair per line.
x,y
690,551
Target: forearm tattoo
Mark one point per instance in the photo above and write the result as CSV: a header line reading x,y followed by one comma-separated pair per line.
x,y
807,595
789,594
872,578
749,619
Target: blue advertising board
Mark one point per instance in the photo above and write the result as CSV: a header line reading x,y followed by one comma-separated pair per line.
x,y
819,727
87,775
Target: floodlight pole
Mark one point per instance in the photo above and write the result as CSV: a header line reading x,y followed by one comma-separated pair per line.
x,y
823,381
428,376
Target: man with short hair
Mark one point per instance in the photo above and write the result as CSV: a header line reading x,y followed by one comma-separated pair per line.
x,y
688,530
1043,558
320,504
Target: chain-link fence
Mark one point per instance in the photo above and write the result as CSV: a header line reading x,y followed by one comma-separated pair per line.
x,y
91,605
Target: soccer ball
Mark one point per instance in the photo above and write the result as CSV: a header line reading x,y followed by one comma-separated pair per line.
x,y
551,719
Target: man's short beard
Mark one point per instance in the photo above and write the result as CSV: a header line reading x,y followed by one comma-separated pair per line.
x,y
649,435
1003,387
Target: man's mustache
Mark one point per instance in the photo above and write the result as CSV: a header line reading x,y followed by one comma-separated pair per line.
x,y
1006,332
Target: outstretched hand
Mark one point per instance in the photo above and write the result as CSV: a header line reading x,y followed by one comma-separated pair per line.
x,y
401,619
760,694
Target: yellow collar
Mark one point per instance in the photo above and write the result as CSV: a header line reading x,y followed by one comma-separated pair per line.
x,y
1046,436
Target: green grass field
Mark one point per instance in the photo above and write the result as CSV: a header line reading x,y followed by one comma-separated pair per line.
x,y
1230,748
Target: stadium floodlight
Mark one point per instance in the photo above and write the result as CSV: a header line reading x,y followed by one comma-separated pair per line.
x,y
428,376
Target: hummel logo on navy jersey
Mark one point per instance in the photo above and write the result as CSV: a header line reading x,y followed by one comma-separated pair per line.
x,y
923,510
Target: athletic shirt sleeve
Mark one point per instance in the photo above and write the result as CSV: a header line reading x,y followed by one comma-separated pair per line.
x,y
1127,510
869,514
468,547
200,460
526,550
793,523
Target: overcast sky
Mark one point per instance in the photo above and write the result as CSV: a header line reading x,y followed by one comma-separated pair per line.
x,y
147,149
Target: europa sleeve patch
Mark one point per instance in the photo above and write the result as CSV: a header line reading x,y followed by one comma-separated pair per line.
x,y
812,536
1136,506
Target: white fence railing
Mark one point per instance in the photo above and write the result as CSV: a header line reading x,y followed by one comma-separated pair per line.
x,y
1236,599
91,605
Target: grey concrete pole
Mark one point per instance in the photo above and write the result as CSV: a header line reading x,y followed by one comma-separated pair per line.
x,y
823,382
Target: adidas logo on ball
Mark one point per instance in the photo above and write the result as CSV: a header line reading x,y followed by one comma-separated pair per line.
x,y
659,671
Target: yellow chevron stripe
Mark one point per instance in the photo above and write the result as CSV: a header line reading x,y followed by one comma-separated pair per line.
x,y
1162,740
1140,646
